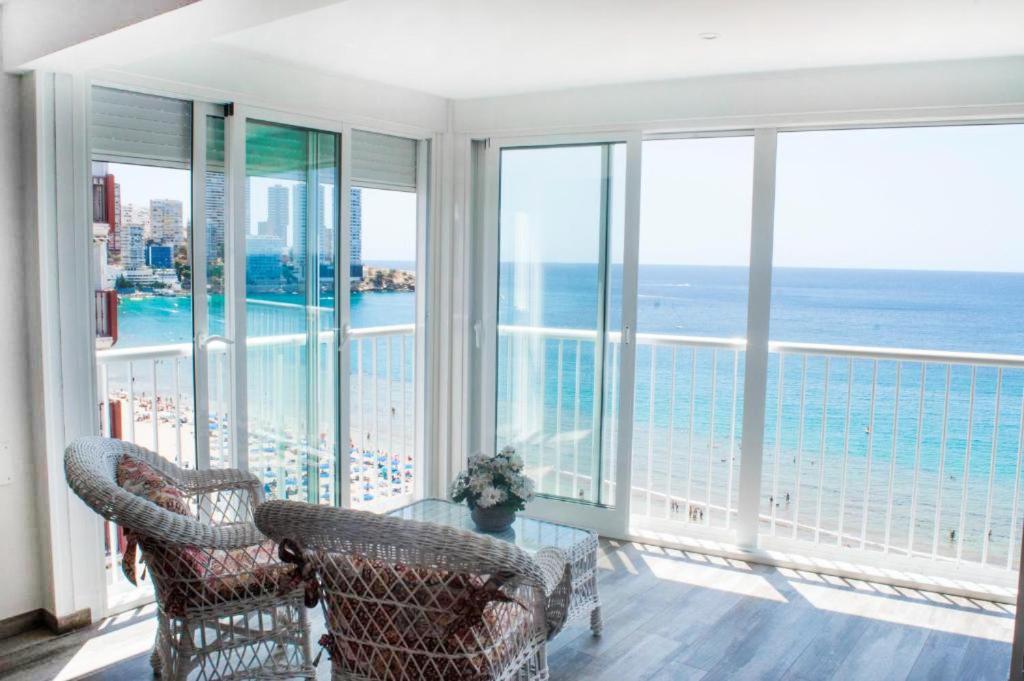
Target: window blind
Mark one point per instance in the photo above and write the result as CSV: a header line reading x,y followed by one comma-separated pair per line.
x,y
130,127
383,161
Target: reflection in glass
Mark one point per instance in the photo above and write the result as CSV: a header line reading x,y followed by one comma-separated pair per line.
x,y
291,177
557,243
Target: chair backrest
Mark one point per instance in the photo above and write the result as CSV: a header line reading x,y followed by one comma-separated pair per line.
x,y
395,540
405,599
90,465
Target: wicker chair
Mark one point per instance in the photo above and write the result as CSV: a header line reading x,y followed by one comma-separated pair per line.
x,y
405,600
216,577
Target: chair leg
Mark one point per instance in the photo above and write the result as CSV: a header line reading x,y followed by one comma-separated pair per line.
x,y
154,659
307,650
542,664
596,623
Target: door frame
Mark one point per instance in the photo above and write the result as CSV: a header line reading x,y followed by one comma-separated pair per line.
x,y
235,266
425,465
610,519
61,202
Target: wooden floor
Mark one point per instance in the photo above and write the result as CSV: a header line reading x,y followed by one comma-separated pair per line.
x,y
670,615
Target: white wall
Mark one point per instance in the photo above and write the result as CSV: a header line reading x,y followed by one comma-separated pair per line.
x,y
222,73
834,96
21,576
37,28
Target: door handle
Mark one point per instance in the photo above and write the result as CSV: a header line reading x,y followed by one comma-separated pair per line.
x,y
205,341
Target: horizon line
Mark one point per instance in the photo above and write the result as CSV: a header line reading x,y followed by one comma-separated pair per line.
x,y
791,267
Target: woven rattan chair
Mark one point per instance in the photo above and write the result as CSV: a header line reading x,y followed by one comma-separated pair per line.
x,y
406,601
216,577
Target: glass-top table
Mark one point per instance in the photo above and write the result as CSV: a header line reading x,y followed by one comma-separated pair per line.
x,y
579,545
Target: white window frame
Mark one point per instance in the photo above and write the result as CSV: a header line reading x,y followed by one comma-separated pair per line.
x,y
61,108
611,519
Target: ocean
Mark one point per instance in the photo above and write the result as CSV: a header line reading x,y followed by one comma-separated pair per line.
x,y
833,458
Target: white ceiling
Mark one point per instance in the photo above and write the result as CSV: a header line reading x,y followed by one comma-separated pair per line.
x,y
475,48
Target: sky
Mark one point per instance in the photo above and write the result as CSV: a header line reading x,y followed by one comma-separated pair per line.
x,y
939,198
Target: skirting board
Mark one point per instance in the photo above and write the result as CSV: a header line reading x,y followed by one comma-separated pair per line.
x,y
12,626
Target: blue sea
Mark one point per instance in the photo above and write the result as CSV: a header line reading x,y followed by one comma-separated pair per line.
x,y
834,458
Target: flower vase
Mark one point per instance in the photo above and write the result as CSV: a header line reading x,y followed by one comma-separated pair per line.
x,y
493,519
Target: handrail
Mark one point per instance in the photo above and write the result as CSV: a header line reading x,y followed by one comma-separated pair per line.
x,y
172,350
899,354
377,331
784,347
661,339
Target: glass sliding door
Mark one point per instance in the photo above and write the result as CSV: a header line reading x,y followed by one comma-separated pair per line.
x,y
894,425
158,209
385,210
213,346
142,199
694,251
291,348
559,243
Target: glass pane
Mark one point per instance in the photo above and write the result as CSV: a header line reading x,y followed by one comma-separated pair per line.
x,y
691,318
323,256
555,234
143,298
143,302
383,346
290,175
218,355
910,239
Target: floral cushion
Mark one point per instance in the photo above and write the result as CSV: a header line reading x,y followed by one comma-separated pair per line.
x,y
139,478
189,576
391,621
219,576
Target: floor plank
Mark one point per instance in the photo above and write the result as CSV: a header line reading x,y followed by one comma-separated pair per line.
x,y
673,615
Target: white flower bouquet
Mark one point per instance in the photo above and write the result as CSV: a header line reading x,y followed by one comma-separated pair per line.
x,y
494,482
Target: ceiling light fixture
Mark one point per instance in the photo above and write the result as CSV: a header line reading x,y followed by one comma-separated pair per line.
x,y
709,35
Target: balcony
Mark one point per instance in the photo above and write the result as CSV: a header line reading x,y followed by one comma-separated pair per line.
x,y
146,396
896,460
887,458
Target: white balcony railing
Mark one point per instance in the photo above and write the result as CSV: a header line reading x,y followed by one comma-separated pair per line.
x,y
900,452
911,453
146,395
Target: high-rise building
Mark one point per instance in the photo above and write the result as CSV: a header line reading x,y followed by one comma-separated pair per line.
x,y
131,216
133,251
263,262
356,233
106,205
325,219
166,225
160,257
299,221
276,223
326,230
214,216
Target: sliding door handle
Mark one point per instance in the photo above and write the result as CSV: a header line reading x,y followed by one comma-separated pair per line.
x,y
205,341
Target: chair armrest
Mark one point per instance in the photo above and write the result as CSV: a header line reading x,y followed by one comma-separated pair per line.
x,y
145,517
215,479
557,575
554,566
